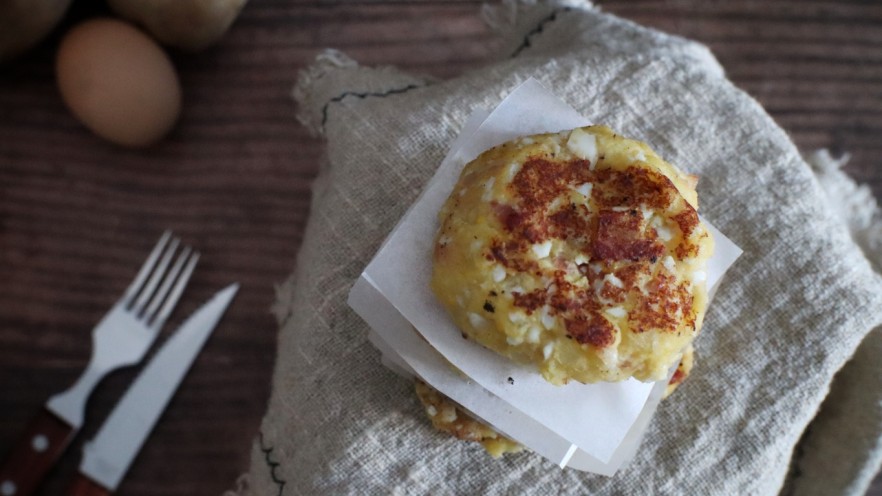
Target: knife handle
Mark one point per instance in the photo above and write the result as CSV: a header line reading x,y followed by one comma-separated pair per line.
x,y
84,486
34,454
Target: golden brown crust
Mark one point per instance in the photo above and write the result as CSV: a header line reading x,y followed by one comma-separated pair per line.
x,y
580,252
447,416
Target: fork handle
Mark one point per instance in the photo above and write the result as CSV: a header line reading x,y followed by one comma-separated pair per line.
x,y
34,454
84,486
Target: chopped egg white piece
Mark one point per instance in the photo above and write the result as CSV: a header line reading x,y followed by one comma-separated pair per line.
x,y
617,312
584,189
513,170
476,320
664,233
431,410
610,356
499,273
584,145
488,189
542,250
546,318
668,262
533,334
613,280
514,340
547,349
448,414
639,156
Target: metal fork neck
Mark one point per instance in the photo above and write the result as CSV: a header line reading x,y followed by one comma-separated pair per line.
x,y
70,405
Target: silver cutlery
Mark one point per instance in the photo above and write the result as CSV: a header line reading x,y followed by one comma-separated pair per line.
x,y
107,457
121,338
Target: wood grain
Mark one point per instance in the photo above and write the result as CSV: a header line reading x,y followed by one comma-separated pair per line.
x,y
78,215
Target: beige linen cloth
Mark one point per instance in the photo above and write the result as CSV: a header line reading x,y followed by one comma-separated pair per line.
x,y
798,304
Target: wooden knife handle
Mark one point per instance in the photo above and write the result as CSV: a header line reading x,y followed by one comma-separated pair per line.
x,y
84,486
34,454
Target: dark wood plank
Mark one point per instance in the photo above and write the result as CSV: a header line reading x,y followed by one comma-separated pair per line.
x,y
77,215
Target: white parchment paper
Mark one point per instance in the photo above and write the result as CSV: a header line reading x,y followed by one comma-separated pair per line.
x,y
393,296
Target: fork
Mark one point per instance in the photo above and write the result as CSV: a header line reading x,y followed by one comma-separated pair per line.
x,y
121,338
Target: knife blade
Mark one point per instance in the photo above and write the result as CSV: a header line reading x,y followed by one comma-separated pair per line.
x,y
107,457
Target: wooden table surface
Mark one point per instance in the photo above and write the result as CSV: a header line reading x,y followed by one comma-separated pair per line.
x,y
78,215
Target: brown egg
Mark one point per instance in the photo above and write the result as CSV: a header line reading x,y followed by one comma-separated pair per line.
x,y
118,82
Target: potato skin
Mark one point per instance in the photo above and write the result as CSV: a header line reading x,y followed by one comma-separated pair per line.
x,y
191,25
23,23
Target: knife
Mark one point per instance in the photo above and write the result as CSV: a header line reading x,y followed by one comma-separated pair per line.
x,y
107,457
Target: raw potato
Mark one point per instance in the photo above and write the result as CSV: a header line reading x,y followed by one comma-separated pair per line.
x,y
23,23
188,24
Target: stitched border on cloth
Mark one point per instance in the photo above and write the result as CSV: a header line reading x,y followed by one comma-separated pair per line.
x,y
526,43
267,453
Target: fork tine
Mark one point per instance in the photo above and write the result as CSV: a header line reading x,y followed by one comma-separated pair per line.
x,y
161,293
172,299
157,275
132,290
